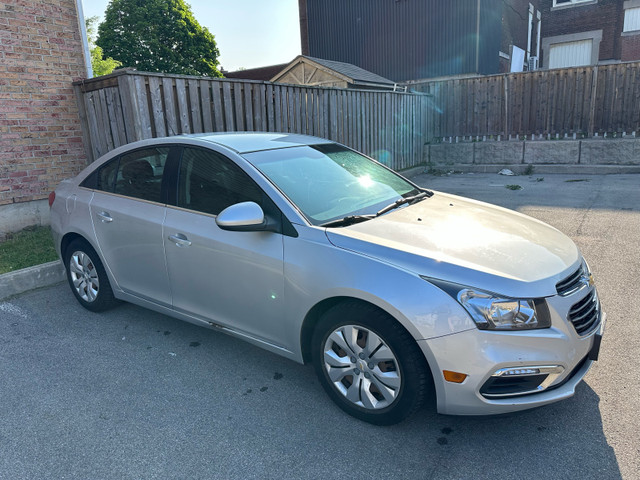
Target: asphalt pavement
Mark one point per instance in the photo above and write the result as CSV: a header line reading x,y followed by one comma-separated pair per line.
x,y
132,394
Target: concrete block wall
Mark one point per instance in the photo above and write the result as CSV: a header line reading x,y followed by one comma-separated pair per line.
x,y
590,156
40,136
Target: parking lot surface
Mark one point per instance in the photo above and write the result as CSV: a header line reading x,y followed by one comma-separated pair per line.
x,y
134,394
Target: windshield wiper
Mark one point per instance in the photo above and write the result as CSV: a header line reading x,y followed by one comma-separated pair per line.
x,y
404,201
351,219
348,220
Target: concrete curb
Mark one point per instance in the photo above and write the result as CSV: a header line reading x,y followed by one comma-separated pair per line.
x,y
21,281
535,169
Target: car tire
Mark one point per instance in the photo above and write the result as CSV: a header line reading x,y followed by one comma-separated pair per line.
x,y
87,277
368,364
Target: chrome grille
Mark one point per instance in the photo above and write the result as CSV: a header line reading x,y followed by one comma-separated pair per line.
x,y
570,284
585,315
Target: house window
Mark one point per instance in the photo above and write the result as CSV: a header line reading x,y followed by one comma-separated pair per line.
x,y
565,3
570,54
632,19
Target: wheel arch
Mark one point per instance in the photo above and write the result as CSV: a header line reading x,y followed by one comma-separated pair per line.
x,y
66,240
313,316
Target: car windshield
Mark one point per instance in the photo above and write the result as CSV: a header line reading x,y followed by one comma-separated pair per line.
x,y
329,182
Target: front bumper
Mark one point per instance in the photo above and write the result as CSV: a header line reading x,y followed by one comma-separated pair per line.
x,y
481,353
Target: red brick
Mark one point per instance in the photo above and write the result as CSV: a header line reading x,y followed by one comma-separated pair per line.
x,y
40,56
605,15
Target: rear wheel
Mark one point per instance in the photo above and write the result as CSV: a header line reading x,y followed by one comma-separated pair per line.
x,y
369,364
87,277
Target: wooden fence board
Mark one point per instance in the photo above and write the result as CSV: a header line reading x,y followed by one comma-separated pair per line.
x,y
218,108
277,92
182,106
259,110
248,107
229,121
143,119
113,115
291,110
206,105
92,122
170,111
195,112
238,110
157,109
270,103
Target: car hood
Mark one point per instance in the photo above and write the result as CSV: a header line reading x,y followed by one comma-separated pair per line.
x,y
464,241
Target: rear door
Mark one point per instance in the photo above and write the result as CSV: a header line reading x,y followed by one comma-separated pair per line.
x,y
127,212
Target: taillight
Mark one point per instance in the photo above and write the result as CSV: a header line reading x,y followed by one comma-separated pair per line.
x,y
52,198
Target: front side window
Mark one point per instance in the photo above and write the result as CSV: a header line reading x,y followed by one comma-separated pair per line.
x,y
210,182
328,182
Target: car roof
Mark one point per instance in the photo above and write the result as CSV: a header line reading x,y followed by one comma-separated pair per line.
x,y
245,142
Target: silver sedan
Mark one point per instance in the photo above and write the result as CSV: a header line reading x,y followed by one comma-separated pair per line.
x,y
306,248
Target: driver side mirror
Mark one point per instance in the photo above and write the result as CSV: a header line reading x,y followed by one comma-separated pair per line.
x,y
243,217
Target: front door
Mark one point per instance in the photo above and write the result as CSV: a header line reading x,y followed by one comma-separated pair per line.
x,y
233,279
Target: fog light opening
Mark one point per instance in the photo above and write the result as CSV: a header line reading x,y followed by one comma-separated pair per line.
x,y
514,381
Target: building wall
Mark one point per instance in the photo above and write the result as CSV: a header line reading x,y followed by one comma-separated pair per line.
x,y
405,39
630,48
515,20
630,41
604,15
40,135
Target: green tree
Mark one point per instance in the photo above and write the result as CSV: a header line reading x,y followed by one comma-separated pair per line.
x,y
99,64
158,36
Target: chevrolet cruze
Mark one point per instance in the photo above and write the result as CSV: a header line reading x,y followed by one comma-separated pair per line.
x,y
395,293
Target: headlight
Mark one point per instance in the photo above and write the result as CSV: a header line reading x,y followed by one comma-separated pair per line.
x,y
493,312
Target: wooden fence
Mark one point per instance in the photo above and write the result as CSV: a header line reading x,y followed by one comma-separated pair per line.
x,y
582,101
129,105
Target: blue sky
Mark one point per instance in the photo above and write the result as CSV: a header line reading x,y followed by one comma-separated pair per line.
x,y
249,33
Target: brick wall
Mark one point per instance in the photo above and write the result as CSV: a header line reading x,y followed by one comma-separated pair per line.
x,y
40,134
630,48
605,15
515,20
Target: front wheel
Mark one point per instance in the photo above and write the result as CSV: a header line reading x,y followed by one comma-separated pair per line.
x,y
87,277
369,364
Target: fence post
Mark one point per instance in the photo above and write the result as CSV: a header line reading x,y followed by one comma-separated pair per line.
x,y
506,106
86,136
592,100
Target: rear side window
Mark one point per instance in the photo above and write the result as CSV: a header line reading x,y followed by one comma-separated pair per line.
x,y
107,176
210,182
140,174
137,174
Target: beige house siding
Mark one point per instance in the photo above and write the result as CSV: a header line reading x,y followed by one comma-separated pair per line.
x,y
306,74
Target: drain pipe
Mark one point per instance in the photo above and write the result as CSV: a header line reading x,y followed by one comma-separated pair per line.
x,y
85,43
478,40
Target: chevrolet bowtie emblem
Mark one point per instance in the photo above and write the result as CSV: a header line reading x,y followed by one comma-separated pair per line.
x,y
587,279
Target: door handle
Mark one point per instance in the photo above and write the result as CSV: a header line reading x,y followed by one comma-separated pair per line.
x,y
105,217
180,240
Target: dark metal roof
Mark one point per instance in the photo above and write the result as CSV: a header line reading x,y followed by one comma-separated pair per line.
x,y
355,73
260,73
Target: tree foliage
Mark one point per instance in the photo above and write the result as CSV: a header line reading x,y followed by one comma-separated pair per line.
x,y
99,64
158,36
